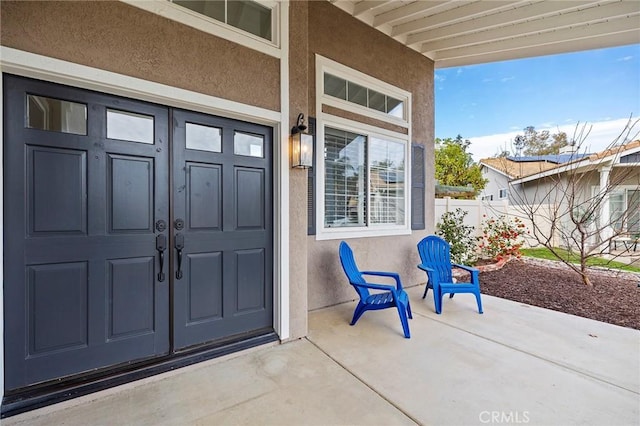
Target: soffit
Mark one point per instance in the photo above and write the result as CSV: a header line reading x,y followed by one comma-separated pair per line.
x,y
459,32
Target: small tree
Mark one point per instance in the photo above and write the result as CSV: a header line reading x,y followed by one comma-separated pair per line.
x,y
455,166
459,236
563,206
533,142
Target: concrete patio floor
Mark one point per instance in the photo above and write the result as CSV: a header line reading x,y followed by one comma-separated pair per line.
x,y
515,364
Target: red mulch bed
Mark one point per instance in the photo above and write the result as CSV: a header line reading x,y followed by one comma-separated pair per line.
x,y
614,297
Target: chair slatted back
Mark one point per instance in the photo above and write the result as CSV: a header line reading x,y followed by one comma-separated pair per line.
x,y
435,253
351,269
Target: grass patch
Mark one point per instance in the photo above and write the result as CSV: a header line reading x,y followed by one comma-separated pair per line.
x,y
545,253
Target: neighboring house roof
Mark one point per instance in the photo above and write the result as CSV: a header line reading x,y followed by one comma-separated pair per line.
x,y
551,158
516,169
616,150
590,162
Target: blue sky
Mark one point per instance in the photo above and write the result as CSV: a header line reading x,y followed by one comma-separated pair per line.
x,y
491,103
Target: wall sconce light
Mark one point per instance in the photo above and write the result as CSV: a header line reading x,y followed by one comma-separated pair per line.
x,y
301,145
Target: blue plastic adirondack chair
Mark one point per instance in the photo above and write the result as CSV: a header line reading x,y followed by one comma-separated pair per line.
x,y
436,262
389,297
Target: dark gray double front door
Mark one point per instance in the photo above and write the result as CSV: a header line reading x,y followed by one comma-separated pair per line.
x,y
131,230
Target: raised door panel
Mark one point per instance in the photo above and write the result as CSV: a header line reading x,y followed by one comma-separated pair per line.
x,y
57,191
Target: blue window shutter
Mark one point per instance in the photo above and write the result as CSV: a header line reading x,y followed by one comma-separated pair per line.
x,y
417,187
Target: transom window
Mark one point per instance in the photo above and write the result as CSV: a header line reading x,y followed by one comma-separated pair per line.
x,y
251,23
364,183
351,90
360,95
247,15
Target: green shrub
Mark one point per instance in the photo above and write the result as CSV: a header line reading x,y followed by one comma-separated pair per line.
x,y
459,236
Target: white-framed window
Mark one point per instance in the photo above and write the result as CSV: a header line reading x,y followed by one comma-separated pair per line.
x,y
363,171
487,197
251,23
341,88
364,179
351,90
503,193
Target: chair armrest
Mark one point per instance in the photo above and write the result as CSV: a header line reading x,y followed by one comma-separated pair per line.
x,y
475,272
432,274
376,286
393,275
425,268
465,267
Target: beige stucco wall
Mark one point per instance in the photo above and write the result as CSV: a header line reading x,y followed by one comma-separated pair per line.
x,y
298,103
336,35
127,40
117,37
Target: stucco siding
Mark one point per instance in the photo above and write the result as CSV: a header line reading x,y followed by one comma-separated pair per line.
x,y
336,35
117,37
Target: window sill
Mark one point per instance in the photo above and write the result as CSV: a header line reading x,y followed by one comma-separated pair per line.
x,y
342,233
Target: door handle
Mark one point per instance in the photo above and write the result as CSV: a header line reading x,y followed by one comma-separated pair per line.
x,y
161,246
179,246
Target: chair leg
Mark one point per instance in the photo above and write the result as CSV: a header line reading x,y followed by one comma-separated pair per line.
x,y
437,301
451,295
402,311
425,291
409,309
358,312
479,302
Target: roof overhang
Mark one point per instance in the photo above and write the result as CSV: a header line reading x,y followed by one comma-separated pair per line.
x,y
457,32
607,158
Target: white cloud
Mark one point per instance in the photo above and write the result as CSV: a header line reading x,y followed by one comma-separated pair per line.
x,y
601,135
625,58
505,79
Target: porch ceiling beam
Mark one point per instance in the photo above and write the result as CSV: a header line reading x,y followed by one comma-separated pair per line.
x,y
600,29
406,12
367,5
507,18
451,16
454,57
586,17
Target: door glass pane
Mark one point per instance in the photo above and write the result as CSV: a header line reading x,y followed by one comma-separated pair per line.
x,y
212,9
247,144
386,176
56,115
616,207
129,126
344,180
250,16
203,138
633,213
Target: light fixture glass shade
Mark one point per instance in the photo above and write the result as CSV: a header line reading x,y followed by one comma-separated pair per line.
x,y
301,150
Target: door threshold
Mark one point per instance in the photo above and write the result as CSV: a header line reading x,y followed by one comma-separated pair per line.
x,y
43,395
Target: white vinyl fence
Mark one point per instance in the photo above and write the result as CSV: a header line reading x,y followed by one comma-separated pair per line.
x,y
478,211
